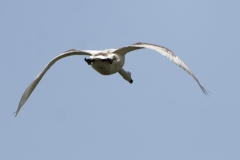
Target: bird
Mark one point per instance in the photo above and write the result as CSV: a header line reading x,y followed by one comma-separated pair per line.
x,y
108,62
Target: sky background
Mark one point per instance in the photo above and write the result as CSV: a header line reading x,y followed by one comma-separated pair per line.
x,y
76,113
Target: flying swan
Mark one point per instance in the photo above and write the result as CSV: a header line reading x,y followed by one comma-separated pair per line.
x,y
107,62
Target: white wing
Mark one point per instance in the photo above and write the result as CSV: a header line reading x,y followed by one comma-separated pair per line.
x,y
32,86
165,52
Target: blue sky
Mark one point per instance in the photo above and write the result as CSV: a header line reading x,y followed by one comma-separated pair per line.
x,y
76,113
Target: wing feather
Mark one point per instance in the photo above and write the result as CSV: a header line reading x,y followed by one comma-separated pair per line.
x,y
32,86
165,52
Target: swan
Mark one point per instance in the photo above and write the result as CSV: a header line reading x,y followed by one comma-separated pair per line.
x,y
107,62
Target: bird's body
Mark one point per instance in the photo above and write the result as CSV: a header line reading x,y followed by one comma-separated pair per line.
x,y
104,67
107,62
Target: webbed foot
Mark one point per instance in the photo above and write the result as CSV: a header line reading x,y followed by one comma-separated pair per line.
x,y
131,81
89,61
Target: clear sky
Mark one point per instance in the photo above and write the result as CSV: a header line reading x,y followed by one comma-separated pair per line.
x,y
76,113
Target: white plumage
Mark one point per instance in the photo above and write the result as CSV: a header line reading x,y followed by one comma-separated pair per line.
x,y
108,62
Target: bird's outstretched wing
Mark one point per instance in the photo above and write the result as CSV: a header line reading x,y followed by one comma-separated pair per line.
x,y
165,52
32,86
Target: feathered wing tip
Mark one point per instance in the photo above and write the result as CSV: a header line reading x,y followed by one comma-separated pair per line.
x,y
205,91
15,113
27,94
